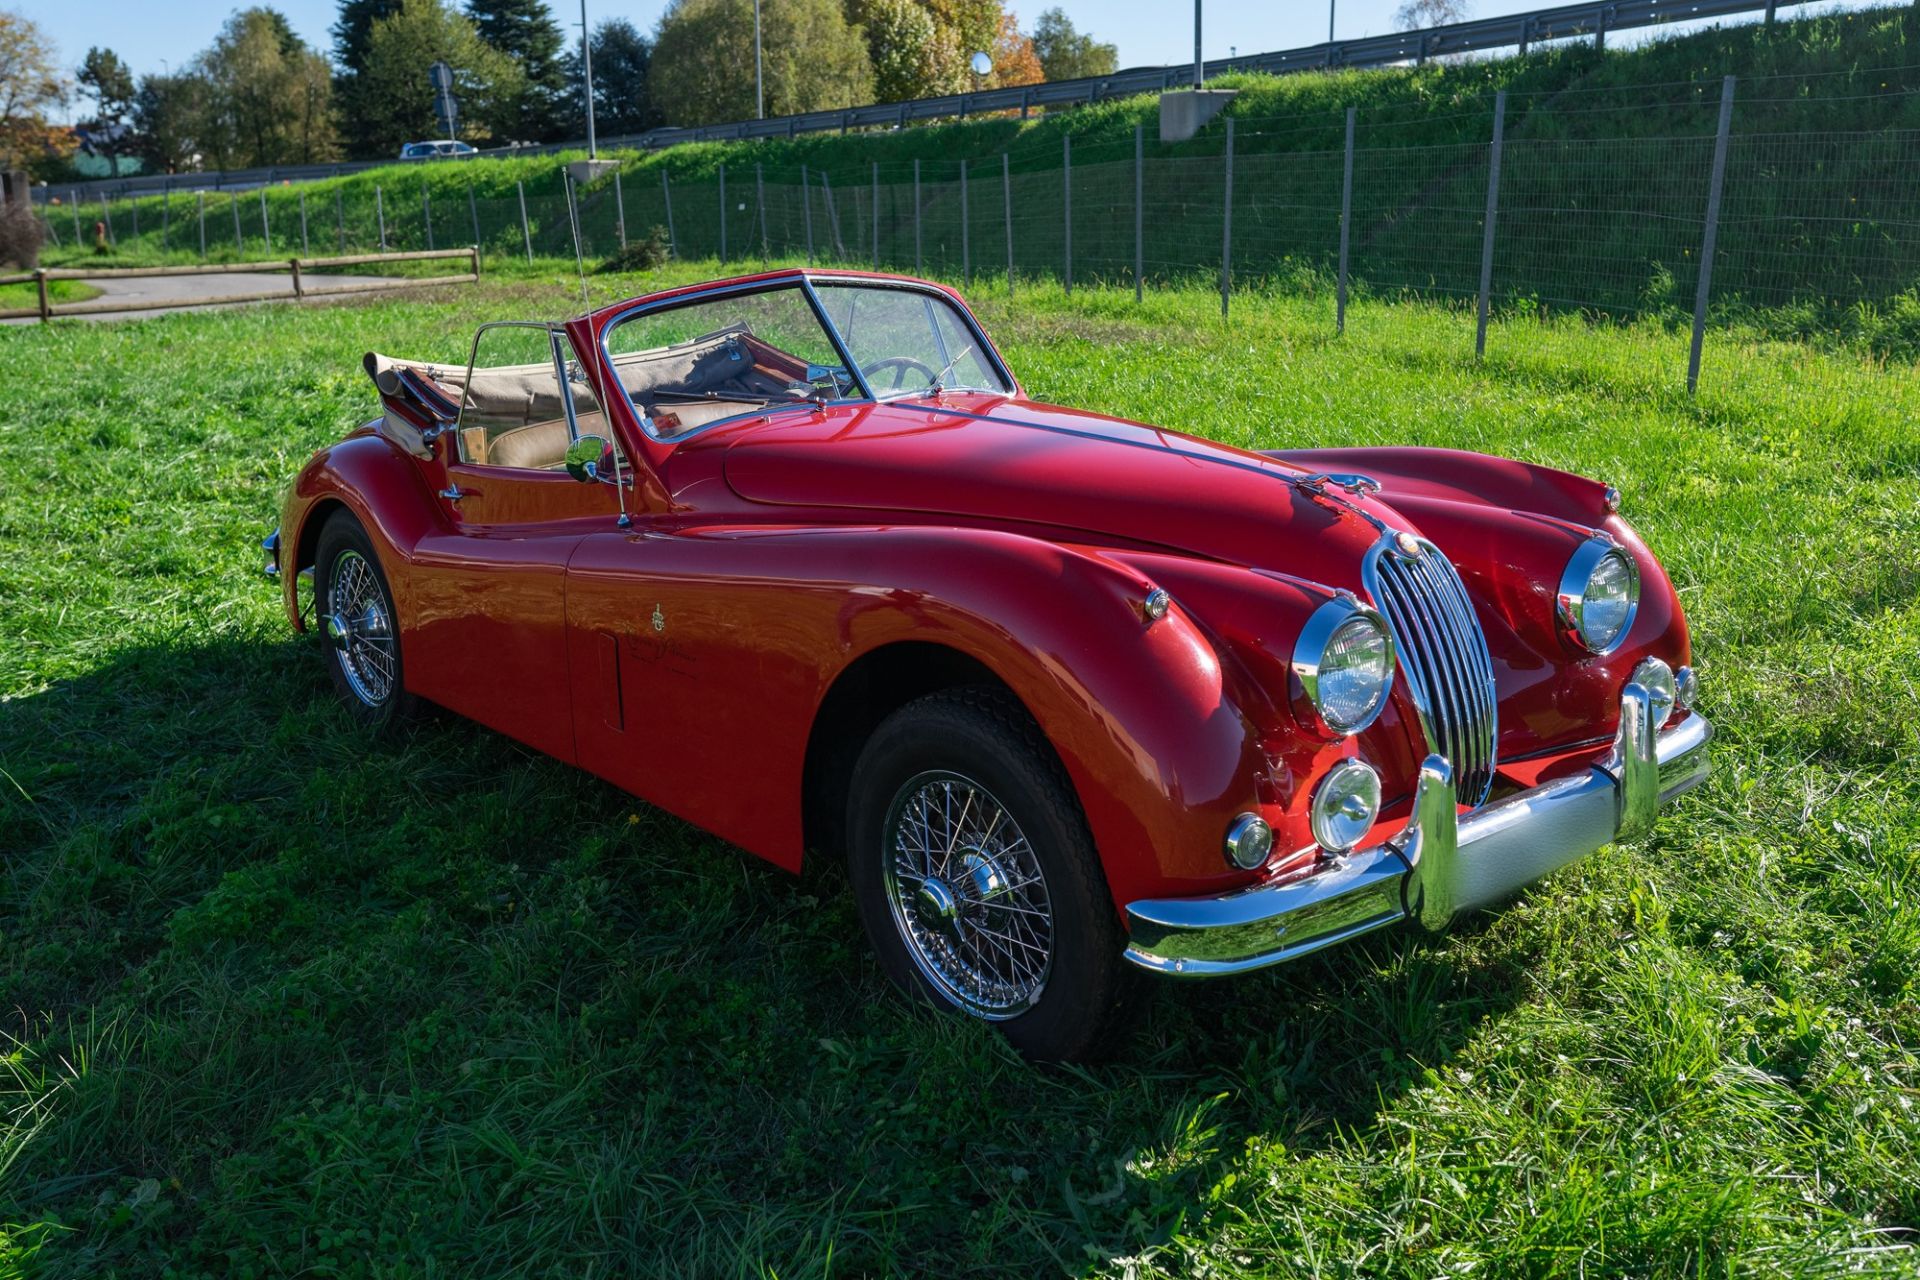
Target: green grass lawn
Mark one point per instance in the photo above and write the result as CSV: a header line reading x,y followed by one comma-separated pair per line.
x,y
279,1000
58,291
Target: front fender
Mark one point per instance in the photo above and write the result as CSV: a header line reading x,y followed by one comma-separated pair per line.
x,y
386,493
1145,715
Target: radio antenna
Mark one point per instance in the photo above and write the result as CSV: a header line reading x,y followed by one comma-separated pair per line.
x,y
579,261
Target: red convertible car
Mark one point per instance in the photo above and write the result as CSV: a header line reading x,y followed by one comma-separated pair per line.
x,y
794,557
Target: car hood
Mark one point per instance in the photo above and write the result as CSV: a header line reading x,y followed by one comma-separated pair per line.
x,y
1013,462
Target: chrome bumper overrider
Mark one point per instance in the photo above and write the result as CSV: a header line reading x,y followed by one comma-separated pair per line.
x,y
1441,864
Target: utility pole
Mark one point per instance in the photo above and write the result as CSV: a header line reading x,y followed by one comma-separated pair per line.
x,y
586,66
1198,73
759,92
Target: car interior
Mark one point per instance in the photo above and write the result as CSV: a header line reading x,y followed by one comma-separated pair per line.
x,y
513,415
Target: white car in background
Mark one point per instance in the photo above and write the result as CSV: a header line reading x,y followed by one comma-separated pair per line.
x,y
435,150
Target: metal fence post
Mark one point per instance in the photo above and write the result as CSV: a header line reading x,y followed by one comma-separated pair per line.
x,y
166,217
1493,212
833,217
380,216
340,221
426,212
106,216
233,203
619,210
916,215
573,221
1066,201
473,211
133,208
876,215
305,248
666,193
723,213
73,203
1346,227
1006,190
806,209
1226,229
966,233
266,229
1139,209
760,200
1710,235
200,203
526,232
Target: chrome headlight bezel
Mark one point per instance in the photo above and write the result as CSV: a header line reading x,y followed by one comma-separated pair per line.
x,y
1570,603
1309,658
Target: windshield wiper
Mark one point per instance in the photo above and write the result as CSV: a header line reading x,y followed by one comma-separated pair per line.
x,y
938,384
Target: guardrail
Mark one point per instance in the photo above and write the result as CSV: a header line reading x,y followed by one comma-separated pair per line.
x,y
299,291
1519,31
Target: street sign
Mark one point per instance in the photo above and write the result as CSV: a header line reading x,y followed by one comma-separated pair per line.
x,y
440,76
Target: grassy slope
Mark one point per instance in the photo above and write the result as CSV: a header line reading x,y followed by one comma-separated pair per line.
x,y
292,1002
1852,71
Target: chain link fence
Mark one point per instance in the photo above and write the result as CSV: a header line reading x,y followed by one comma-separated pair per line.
x,y
1538,207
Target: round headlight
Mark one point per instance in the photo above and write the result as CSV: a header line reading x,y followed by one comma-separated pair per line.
x,y
1344,662
1344,806
1598,595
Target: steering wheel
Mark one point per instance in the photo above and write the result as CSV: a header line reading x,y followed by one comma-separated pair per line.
x,y
899,365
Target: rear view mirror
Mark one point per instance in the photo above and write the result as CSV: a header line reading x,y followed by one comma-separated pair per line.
x,y
587,458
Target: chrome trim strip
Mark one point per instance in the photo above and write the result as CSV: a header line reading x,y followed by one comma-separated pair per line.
x,y
1441,864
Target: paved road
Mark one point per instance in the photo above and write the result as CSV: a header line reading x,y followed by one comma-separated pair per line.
x,y
188,288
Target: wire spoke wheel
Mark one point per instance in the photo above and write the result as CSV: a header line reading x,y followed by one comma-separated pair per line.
x,y
359,624
967,894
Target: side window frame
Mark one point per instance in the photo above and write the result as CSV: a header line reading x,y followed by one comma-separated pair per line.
x,y
556,337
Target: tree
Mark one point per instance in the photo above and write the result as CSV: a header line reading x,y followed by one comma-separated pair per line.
x,y
702,67
1417,15
389,102
622,85
30,92
1014,59
170,114
354,28
263,97
912,57
1069,54
105,79
524,30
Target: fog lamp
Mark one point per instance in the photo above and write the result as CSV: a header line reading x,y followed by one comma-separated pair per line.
x,y
1345,805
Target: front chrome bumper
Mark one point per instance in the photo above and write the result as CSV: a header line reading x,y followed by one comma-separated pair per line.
x,y
1441,864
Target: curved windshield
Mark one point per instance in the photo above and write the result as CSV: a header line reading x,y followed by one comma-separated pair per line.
x,y
907,341
700,362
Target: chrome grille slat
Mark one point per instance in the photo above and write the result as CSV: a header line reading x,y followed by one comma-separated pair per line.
x,y
1460,682
1443,655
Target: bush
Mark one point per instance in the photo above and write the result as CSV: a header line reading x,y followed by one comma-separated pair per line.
x,y
20,235
645,254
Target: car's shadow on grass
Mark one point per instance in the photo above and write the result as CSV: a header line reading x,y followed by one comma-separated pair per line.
x,y
298,963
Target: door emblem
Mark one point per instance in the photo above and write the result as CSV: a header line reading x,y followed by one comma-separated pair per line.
x,y
659,619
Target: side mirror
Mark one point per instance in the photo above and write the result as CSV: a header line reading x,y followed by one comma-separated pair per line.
x,y
586,457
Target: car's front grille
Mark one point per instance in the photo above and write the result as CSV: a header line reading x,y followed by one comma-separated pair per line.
x,y
1443,654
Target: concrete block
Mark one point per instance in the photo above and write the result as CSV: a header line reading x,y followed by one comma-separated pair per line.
x,y
1185,112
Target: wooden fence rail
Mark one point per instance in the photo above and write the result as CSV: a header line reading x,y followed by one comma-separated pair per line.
x,y
302,288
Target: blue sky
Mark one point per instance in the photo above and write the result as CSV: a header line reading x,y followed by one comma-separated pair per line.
x,y
153,35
